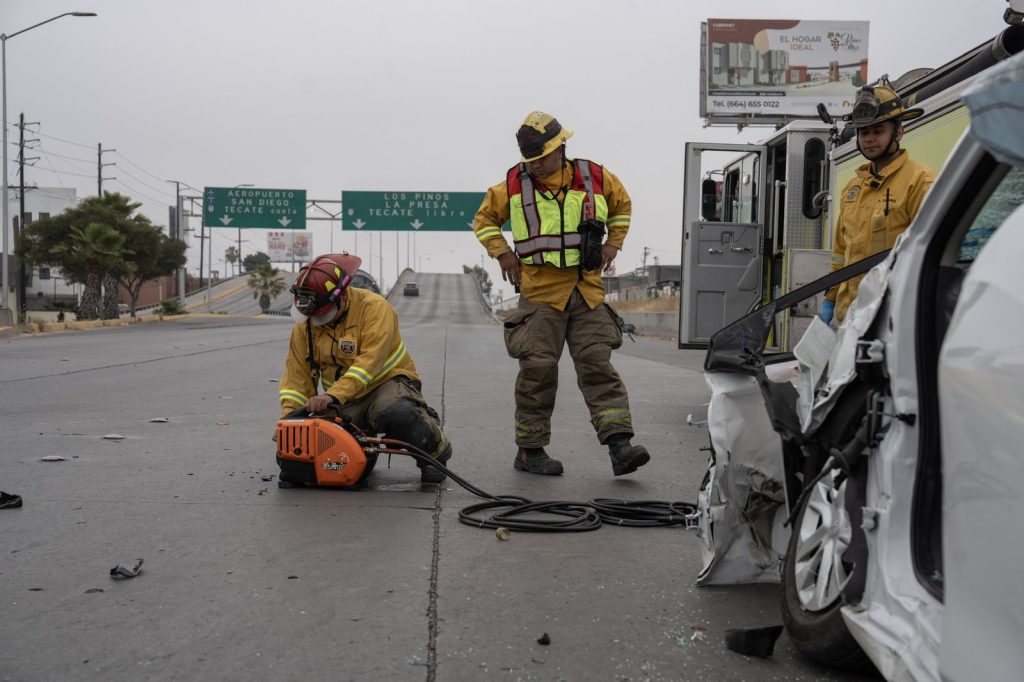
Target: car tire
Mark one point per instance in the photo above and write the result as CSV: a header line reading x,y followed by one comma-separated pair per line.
x,y
811,605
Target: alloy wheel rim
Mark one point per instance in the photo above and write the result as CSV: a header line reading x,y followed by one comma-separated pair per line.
x,y
823,535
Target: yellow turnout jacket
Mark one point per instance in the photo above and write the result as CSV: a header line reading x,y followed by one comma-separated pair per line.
x,y
358,353
873,211
548,283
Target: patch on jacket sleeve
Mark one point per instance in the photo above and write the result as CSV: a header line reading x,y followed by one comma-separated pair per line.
x,y
347,347
852,194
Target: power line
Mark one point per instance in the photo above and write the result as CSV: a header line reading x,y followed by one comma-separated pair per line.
x,y
54,137
62,156
52,170
135,191
155,177
144,184
81,175
114,151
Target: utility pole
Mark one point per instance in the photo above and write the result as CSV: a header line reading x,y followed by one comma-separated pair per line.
x,y
647,250
100,151
179,233
20,222
202,248
245,184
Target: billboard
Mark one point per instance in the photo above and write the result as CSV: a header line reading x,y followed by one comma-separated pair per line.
x,y
778,69
294,245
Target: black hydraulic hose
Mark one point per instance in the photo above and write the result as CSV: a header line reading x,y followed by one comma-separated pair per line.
x,y
579,516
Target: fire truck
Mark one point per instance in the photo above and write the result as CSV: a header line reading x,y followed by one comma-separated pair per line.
x,y
758,219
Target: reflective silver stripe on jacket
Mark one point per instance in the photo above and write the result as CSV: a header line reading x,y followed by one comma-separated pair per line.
x,y
551,242
530,213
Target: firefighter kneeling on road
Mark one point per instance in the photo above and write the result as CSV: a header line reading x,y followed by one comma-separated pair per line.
x,y
347,339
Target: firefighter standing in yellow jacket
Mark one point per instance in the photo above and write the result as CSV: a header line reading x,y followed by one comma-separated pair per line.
x,y
559,210
347,339
881,202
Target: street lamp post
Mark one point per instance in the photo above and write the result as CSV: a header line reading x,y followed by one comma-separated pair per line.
x,y
6,208
240,237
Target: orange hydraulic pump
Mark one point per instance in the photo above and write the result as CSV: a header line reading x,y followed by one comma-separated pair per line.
x,y
323,451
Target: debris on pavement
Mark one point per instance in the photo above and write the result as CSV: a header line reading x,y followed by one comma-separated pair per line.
x,y
159,420
9,500
113,436
503,533
94,590
53,458
267,477
758,642
544,639
121,571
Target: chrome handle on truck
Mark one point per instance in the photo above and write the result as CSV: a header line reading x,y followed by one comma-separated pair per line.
x,y
741,249
714,251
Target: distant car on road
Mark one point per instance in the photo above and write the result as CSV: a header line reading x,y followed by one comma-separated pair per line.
x,y
364,280
411,289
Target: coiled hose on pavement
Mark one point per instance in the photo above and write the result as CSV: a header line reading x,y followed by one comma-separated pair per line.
x,y
576,516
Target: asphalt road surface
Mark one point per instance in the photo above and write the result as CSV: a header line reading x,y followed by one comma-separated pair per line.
x,y
244,581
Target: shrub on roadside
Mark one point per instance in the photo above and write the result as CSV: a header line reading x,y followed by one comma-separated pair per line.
x,y
172,306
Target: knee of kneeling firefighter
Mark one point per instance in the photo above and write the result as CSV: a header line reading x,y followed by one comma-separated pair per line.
x,y
402,421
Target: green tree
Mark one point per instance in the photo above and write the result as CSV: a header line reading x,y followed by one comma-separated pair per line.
x,y
266,284
155,255
95,251
53,242
231,256
254,260
482,278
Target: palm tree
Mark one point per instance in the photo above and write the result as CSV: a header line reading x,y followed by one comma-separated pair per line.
x,y
231,256
99,250
265,283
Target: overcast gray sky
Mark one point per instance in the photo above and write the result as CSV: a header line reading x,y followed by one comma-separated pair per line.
x,y
400,95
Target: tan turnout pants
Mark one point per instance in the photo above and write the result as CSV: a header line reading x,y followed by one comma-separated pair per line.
x,y
535,335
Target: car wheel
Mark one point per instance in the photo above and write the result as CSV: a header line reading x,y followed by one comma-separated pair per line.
x,y
814,577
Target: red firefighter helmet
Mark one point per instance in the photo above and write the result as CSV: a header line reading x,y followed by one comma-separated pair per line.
x,y
321,282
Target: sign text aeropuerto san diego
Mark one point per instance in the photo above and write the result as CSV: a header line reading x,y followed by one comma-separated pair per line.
x,y
254,207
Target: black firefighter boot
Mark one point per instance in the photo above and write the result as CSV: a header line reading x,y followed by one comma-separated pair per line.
x,y
536,461
626,457
429,474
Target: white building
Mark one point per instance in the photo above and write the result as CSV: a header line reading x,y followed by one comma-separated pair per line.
x,y
42,283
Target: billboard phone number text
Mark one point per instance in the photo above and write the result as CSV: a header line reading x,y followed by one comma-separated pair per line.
x,y
723,105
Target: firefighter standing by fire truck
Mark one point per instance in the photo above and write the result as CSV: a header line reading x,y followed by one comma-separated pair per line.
x,y
878,204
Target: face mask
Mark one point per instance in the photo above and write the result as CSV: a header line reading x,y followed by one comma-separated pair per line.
x,y
317,320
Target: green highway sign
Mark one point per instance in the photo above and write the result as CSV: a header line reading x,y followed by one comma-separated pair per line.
x,y
419,211
245,207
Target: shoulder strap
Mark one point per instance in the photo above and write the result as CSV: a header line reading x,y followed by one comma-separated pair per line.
x,y
587,181
314,366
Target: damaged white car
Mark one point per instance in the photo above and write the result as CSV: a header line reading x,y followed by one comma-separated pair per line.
x,y
890,508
